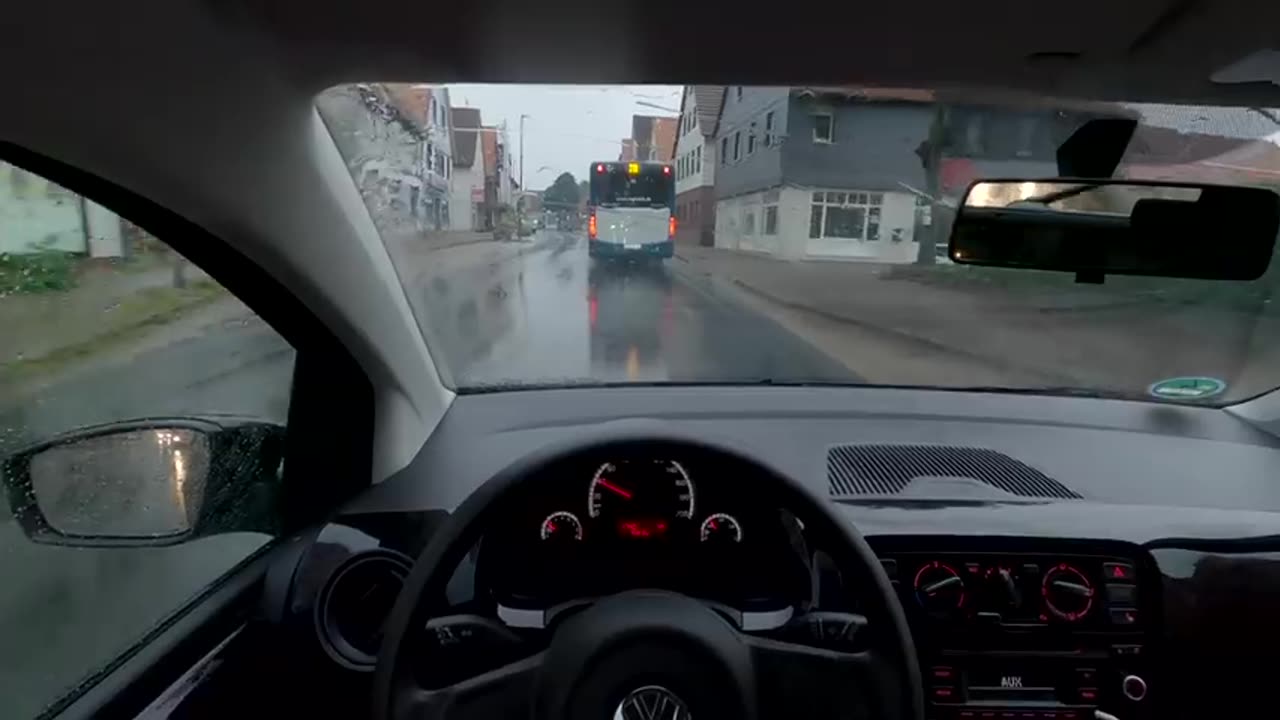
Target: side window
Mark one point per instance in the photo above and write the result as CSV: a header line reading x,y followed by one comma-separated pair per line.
x,y
103,323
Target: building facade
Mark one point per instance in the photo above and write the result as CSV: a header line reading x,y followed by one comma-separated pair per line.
x,y
810,174
42,216
469,211
653,139
840,172
695,164
427,107
380,133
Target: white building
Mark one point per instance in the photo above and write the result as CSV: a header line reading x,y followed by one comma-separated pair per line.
x,y
695,164
466,188
38,215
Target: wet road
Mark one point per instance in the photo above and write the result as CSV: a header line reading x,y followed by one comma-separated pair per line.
x,y
544,313
536,312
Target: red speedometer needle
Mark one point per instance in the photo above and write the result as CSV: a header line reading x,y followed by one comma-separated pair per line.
x,y
606,484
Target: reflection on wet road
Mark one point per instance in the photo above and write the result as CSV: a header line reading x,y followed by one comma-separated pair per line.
x,y
546,313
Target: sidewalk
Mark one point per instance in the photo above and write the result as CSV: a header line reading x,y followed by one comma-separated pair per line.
x,y
47,331
897,330
401,243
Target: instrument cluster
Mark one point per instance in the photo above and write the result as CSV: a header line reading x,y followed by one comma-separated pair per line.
x,y
614,523
640,499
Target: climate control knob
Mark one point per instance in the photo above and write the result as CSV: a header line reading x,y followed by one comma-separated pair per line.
x,y
1068,594
939,588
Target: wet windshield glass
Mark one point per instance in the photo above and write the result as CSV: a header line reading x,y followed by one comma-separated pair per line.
x,y
787,235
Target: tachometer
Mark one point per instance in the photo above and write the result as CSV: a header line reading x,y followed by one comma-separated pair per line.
x,y
642,490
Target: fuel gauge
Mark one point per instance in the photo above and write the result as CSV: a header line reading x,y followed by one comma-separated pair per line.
x,y
720,528
560,526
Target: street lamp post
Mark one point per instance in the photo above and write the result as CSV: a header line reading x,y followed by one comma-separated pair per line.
x,y
522,151
519,210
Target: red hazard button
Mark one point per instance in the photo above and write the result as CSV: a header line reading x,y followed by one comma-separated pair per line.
x,y
1118,571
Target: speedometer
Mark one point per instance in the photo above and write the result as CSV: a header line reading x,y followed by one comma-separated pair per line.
x,y
641,492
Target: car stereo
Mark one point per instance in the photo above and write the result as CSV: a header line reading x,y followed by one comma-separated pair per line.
x,y
1029,636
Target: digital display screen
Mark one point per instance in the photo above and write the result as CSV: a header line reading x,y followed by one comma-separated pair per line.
x,y
642,528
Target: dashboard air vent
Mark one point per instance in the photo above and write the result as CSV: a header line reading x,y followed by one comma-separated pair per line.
x,y
888,469
355,604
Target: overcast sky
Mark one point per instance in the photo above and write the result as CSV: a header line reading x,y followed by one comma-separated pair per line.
x,y
569,126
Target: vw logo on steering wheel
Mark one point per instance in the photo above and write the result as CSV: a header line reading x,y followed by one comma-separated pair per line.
x,y
651,702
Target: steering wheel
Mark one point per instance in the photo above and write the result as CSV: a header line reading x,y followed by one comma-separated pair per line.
x,y
652,654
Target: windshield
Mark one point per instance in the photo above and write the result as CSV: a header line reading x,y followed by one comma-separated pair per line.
x,y
805,239
631,184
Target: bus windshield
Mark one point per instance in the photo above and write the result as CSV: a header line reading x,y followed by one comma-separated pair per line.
x,y
616,186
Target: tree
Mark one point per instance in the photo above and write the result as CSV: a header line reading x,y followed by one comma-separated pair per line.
x,y
562,194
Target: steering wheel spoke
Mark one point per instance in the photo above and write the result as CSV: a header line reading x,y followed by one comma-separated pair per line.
x,y
799,680
506,691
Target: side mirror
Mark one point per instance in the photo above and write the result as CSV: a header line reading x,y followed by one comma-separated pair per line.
x,y
147,483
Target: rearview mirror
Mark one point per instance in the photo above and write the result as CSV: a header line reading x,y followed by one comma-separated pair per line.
x,y
1096,228
146,483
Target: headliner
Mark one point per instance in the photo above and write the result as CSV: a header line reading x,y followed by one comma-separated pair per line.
x,y
1160,50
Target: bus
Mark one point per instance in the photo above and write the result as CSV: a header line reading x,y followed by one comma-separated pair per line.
x,y
631,210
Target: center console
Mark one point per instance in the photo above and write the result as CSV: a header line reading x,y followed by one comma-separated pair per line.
x,y
1052,633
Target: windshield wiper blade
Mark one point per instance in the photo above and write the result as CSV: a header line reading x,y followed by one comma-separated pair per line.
x,y
1061,194
1068,390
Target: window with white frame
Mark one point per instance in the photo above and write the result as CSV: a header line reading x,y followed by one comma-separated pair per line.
x,y
724,150
768,129
844,215
751,139
737,146
823,127
697,159
770,220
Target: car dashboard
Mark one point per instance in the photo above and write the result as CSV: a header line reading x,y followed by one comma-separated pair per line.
x,y
1098,593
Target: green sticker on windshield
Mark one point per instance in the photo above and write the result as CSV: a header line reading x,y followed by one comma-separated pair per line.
x,y
1187,388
